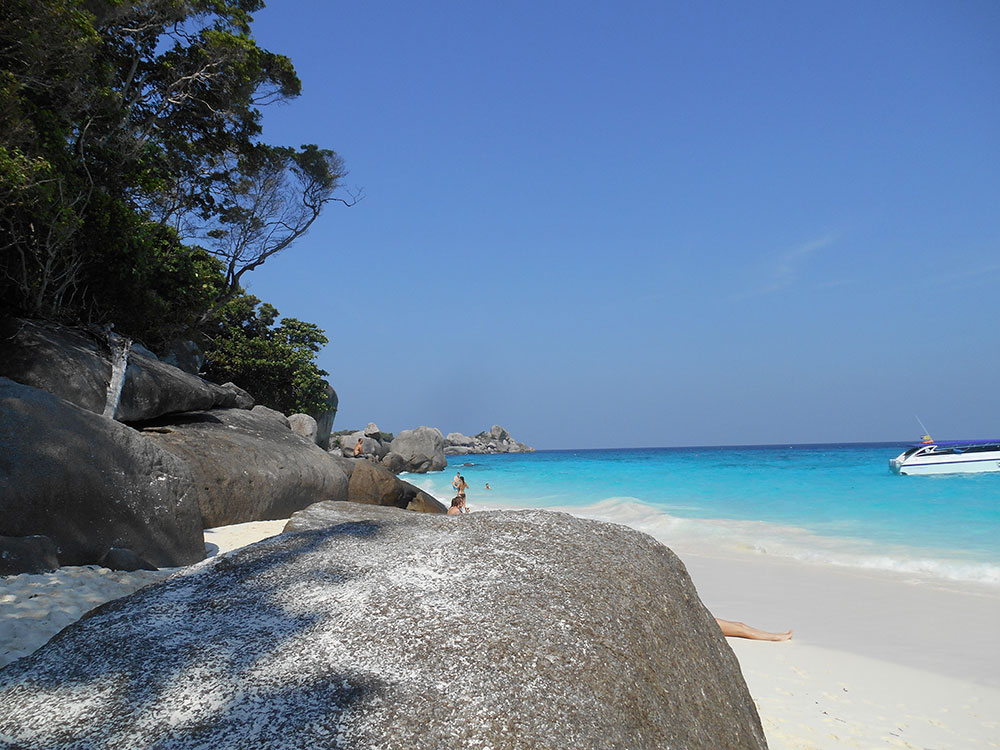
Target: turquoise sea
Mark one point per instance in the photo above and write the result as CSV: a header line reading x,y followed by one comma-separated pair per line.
x,y
831,504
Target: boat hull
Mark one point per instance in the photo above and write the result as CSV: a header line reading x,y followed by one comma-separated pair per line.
x,y
946,464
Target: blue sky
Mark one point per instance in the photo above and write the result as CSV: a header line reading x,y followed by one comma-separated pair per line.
x,y
652,224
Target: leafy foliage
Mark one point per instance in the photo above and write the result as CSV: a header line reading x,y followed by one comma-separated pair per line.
x,y
276,363
128,129
120,120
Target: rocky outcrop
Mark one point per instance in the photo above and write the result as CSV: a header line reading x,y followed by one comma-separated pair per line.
x,y
497,440
90,483
372,627
372,446
77,367
248,465
422,449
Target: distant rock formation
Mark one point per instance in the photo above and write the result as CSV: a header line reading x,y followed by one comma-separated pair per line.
x,y
497,440
417,451
370,627
423,449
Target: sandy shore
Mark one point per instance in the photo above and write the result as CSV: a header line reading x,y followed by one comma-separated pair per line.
x,y
878,661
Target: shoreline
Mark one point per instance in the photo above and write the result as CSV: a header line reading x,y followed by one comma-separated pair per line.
x,y
915,620
876,660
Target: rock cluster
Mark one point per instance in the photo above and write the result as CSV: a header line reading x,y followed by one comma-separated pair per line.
x,y
370,627
417,451
423,449
137,487
497,440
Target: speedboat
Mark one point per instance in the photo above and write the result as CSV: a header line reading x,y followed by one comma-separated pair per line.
x,y
948,457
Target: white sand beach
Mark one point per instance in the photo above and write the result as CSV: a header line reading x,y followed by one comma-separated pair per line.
x,y
877,661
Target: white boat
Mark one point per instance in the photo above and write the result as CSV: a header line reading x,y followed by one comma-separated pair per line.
x,y
948,457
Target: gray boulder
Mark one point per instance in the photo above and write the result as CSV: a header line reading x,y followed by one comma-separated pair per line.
x,y
372,446
324,419
91,483
393,462
304,425
235,397
373,431
422,449
27,554
374,627
248,465
76,366
457,439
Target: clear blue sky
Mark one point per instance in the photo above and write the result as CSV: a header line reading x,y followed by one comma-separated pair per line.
x,y
652,223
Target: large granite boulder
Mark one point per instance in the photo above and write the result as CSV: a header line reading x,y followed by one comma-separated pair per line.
x,y
248,465
90,483
422,449
76,366
374,627
375,485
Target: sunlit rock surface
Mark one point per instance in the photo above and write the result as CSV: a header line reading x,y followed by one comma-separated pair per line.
x,y
391,629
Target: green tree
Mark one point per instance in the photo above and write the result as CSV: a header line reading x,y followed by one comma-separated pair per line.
x,y
269,198
150,110
274,363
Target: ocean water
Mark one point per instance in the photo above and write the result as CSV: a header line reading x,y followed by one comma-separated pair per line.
x,y
829,504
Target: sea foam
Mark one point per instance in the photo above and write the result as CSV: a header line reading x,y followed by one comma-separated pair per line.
x,y
730,537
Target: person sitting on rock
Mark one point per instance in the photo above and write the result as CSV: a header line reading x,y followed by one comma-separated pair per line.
x,y
359,449
457,504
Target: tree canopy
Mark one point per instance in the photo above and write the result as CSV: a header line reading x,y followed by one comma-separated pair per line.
x,y
273,362
134,185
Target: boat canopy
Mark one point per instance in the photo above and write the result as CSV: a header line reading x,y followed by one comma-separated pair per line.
x,y
958,443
